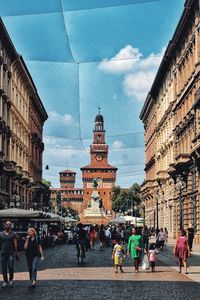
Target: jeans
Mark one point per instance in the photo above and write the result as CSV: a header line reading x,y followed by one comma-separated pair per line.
x,y
190,242
80,247
7,263
32,267
145,243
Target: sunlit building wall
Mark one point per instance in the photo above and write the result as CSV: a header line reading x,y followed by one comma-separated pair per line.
x,y
22,117
176,94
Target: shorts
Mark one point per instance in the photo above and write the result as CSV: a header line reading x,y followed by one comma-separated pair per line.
x,y
118,260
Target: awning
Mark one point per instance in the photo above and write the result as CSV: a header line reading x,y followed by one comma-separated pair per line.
x,y
55,217
118,220
70,220
20,213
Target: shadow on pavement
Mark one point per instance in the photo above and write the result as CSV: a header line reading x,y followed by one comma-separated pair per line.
x,y
101,289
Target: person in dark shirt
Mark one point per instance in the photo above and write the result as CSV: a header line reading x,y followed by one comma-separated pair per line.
x,y
8,240
145,237
80,240
33,251
190,236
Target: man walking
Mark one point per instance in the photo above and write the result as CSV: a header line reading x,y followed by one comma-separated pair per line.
x,y
145,237
8,240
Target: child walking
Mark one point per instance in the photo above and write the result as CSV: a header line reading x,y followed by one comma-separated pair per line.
x,y
117,256
152,256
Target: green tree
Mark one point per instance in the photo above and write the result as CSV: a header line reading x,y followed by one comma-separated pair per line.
x,y
46,182
126,200
119,198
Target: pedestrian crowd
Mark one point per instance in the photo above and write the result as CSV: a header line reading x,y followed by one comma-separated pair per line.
x,y
124,240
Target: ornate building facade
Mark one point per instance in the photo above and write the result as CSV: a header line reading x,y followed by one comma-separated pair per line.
x,y
175,94
19,105
99,169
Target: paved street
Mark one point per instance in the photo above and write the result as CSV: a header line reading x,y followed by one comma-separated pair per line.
x,y
60,277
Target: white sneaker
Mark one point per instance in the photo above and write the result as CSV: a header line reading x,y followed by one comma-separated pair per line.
x,y
4,285
11,283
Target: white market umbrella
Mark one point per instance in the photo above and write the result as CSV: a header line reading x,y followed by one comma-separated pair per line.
x,y
136,221
19,213
129,218
70,220
118,220
55,217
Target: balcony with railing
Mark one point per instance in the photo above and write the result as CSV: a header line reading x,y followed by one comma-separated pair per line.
x,y
10,168
25,177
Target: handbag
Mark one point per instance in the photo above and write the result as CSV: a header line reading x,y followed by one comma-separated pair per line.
x,y
137,248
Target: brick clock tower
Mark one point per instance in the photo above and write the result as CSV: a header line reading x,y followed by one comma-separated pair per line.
x,y
99,169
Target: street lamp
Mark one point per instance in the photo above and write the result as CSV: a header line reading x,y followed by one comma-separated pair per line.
x,y
180,185
135,208
143,212
59,204
156,190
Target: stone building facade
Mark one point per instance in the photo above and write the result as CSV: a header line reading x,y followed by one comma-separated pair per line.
x,y
175,97
18,177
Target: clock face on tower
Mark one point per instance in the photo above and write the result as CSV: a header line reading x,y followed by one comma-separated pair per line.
x,y
99,157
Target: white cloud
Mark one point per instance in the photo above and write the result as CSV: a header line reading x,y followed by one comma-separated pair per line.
x,y
138,84
117,145
139,72
65,119
123,61
152,61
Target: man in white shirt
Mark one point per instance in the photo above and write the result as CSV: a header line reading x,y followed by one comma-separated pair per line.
x,y
108,236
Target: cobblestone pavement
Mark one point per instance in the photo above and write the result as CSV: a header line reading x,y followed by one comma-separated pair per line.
x,y
60,277
168,258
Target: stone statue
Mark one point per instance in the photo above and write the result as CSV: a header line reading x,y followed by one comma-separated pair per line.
x,y
95,183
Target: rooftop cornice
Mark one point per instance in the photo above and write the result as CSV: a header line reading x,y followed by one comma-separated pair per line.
x,y
189,8
147,107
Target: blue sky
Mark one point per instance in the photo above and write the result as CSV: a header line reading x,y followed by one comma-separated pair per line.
x,y
86,54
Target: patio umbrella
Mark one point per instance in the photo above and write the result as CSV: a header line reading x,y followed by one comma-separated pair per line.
x,y
118,220
20,213
70,220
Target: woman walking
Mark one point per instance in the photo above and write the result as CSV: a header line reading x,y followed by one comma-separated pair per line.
x,y
92,237
182,250
135,248
33,251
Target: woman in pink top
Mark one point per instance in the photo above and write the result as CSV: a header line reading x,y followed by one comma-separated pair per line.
x,y
181,250
152,254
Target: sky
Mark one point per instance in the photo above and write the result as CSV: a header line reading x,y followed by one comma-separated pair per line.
x,y
86,54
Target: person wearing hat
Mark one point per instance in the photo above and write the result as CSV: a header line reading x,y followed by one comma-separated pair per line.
x,y
190,236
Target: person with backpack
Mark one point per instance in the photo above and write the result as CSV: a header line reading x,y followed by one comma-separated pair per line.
x,y
33,251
